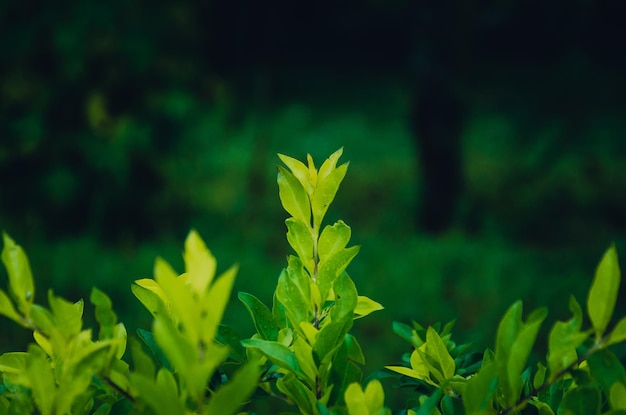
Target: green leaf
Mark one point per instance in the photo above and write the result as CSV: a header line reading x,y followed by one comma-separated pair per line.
x,y
430,404
41,379
20,277
299,393
150,294
581,400
346,299
564,338
603,292
214,303
325,193
480,389
278,354
366,306
161,396
301,240
617,396
261,316
300,171
179,298
330,270
333,239
227,336
345,368
436,350
514,342
606,369
293,196
294,292
329,164
230,397
148,338
329,339
68,316
618,334
200,264
143,364
8,310
540,376
104,313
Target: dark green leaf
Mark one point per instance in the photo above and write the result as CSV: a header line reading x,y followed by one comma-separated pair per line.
x,y
231,396
581,401
148,338
278,354
261,316
227,336
298,392
606,369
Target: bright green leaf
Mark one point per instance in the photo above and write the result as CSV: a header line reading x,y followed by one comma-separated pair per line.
x,y
41,379
330,270
618,334
300,171
143,364
329,164
200,264
436,350
161,396
214,303
179,298
301,240
151,295
8,310
261,316
105,315
20,277
293,196
355,400
294,292
325,193
603,292
617,396
333,239
366,306
278,353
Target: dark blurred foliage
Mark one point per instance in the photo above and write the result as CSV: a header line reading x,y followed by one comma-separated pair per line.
x,y
498,125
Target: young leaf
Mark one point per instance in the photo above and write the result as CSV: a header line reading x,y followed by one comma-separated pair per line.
x,y
329,164
20,277
161,396
214,303
618,334
8,310
480,389
151,295
179,298
514,341
325,193
333,239
564,338
333,267
261,316
105,315
41,379
294,292
300,171
301,240
436,349
68,316
293,196
200,264
603,292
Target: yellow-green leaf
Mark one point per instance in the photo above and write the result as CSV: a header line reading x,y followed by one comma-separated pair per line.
x,y
300,171
8,310
603,292
200,264
293,196
301,240
20,277
617,396
366,306
618,334
215,302
436,350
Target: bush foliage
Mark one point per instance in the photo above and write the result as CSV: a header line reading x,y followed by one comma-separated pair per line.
x,y
303,354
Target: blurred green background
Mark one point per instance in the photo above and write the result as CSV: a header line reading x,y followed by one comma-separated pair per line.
x,y
485,139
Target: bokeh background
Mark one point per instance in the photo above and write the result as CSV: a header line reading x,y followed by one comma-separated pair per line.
x,y
485,139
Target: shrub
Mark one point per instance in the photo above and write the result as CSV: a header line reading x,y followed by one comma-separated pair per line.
x,y
302,353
